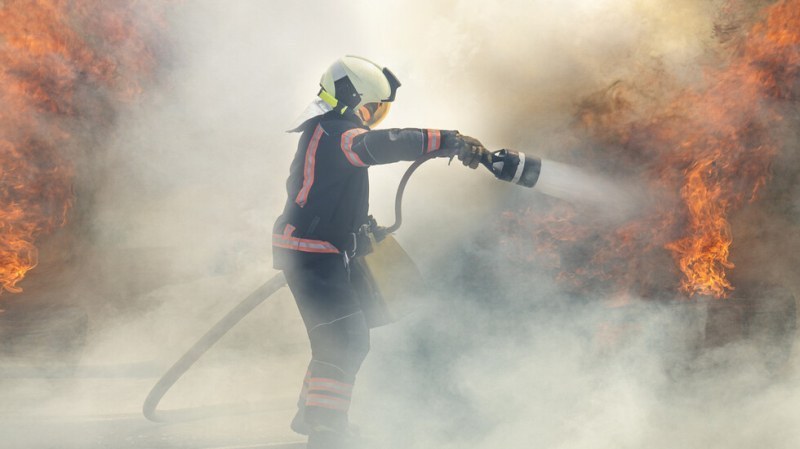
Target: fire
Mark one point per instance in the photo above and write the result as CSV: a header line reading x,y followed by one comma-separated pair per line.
x,y
712,145
749,87
703,256
62,63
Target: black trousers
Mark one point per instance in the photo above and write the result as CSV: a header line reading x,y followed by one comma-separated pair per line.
x,y
331,309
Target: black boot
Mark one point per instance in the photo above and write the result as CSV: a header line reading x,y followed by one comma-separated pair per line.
x,y
299,424
321,437
324,438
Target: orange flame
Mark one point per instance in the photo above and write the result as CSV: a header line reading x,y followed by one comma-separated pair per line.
x,y
712,146
703,255
58,60
749,85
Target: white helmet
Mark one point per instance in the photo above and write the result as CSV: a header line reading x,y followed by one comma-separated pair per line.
x,y
361,86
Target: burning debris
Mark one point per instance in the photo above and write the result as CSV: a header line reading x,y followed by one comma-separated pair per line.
x,y
66,66
706,149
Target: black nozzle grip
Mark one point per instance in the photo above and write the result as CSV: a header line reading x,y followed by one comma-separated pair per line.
x,y
512,166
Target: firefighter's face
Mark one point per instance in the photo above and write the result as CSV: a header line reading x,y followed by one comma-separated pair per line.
x,y
373,113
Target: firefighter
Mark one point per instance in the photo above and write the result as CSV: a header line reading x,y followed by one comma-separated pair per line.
x,y
319,231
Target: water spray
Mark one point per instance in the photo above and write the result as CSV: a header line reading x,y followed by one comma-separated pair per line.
x,y
563,181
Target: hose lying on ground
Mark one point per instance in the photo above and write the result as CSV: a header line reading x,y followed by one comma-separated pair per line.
x,y
204,344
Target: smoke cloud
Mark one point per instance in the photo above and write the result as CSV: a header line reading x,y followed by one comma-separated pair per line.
x,y
502,353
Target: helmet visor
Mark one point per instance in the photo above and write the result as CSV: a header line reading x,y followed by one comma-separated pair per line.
x,y
373,113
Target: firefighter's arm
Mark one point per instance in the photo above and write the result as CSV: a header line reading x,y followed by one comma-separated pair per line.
x,y
363,148
391,145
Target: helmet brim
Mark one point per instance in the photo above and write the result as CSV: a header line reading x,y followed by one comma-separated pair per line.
x,y
394,83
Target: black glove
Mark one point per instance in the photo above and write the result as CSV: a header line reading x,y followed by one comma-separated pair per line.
x,y
469,150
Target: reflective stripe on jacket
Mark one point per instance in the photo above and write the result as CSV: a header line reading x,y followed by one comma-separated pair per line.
x,y
328,185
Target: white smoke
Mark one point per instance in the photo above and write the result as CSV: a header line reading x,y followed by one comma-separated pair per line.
x,y
200,169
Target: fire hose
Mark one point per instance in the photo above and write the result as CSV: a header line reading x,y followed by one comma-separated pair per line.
x,y
507,165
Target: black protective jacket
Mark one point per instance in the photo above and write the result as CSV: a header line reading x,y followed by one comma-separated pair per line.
x,y
328,185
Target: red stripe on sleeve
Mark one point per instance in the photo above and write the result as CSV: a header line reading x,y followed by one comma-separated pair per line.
x,y
347,146
434,140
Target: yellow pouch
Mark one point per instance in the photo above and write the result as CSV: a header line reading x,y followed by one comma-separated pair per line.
x,y
389,281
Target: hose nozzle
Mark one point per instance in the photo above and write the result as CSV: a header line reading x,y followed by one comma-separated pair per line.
x,y
513,166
